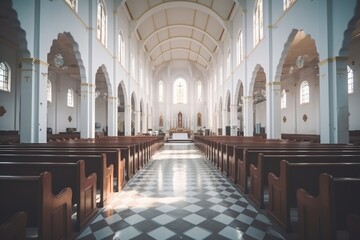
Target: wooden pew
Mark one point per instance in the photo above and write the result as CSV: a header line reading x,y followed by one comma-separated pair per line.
x,y
245,160
63,175
93,164
113,157
15,227
282,189
321,216
271,163
49,213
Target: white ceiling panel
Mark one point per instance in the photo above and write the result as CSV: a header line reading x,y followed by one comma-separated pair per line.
x,y
180,16
204,53
193,56
195,47
179,54
174,41
180,44
211,45
198,35
214,28
165,47
207,3
180,31
146,29
137,8
167,56
156,53
223,8
201,20
152,43
163,35
154,3
160,20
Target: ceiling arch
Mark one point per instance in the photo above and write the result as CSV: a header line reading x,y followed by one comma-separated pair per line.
x,y
180,49
183,29
180,25
180,38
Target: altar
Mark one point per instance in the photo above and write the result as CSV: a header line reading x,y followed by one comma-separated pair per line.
x,y
179,133
179,136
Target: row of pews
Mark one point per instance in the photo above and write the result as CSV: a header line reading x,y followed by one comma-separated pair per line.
x,y
52,190
310,190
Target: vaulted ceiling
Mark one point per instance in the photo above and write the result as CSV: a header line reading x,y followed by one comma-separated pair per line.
x,y
188,30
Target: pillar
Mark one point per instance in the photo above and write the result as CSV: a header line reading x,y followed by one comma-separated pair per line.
x,y
334,110
248,108
273,110
112,116
233,120
127,120
87,113
33,101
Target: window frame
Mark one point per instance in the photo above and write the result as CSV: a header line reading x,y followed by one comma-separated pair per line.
x,y
350,80
70,98
258,22
304,92
101,22
5,83
177,99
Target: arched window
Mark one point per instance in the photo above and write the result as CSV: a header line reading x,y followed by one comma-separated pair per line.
x,y
258,22
240,49
283,99
199,91
179,91
72,4
70,98
49,91
161,91
350,75
304,92
121,49
288,3
4,77
228,64
101,22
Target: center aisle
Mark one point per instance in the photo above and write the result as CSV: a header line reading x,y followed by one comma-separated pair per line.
x,y
179,195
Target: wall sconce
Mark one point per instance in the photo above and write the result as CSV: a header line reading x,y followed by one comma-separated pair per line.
x,y
301,60
305,117
58,60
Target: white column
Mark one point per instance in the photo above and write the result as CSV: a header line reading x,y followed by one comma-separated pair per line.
x,y
334,110
127,120
112,116
233,119
137,122
273,110
33,104
87,112
248,107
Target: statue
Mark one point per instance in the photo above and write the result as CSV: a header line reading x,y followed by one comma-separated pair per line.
x,y
179,125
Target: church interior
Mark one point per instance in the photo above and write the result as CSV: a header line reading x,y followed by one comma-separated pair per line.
x,y
179,119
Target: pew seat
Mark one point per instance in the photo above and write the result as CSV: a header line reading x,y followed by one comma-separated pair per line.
x,y
48,213
330,214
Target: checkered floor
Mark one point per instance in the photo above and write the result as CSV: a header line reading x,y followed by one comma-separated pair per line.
x,y
179,195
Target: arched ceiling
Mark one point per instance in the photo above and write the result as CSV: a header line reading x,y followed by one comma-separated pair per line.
x,y
187,30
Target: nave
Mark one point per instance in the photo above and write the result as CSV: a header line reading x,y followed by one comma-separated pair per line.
x,y
179,195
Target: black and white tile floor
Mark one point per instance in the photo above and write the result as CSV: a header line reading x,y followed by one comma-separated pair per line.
x,y
179,195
